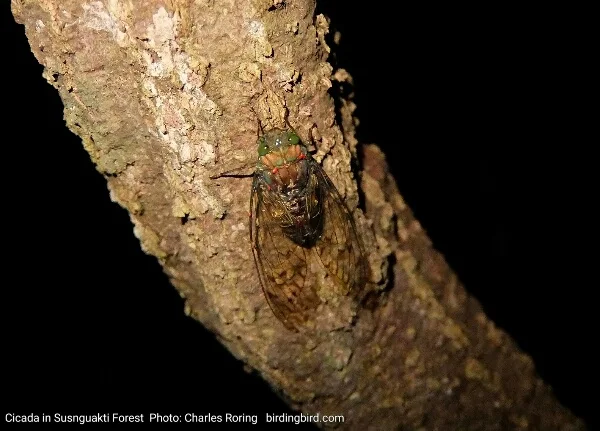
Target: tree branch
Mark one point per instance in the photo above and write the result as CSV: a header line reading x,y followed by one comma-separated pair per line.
x,y
166,93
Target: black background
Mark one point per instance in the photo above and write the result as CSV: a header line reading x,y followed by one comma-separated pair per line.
x,y
477,113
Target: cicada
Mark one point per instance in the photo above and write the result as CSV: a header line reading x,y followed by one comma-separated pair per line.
x,y
300,227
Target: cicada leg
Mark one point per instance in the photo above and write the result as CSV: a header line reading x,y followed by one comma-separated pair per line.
x,y
244,169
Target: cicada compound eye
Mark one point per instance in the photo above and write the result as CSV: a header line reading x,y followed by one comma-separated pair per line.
x,y
293,138
263,148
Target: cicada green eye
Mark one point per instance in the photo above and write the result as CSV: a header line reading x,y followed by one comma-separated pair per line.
x,y
263,149
293,138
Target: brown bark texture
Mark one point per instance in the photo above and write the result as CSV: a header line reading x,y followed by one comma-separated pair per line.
x,y
164,93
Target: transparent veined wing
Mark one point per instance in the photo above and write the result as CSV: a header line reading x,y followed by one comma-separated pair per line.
x,y
281,263
339,247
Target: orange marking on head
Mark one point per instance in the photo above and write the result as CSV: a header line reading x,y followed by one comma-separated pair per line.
x,y
275,170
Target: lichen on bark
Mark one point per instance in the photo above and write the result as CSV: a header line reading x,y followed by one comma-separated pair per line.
x,y
164,94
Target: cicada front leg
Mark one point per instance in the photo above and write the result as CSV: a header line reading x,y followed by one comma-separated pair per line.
x,y
244,169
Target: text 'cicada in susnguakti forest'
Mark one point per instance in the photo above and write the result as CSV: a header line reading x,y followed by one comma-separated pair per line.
x,y
304,239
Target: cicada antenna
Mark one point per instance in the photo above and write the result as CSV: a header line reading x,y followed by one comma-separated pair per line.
x,y
260,131
287,123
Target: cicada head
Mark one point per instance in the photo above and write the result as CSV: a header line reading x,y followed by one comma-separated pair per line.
x,y
282,158
280,146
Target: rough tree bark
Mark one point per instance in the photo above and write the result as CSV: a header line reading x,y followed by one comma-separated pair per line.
x,y
165,92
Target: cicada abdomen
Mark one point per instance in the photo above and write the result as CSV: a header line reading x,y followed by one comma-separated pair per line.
x,y
299,223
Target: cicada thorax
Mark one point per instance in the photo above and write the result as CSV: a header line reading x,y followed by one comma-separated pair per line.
x,y
292,194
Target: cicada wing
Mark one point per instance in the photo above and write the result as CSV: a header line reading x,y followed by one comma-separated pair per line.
x,y
282,265
339,247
